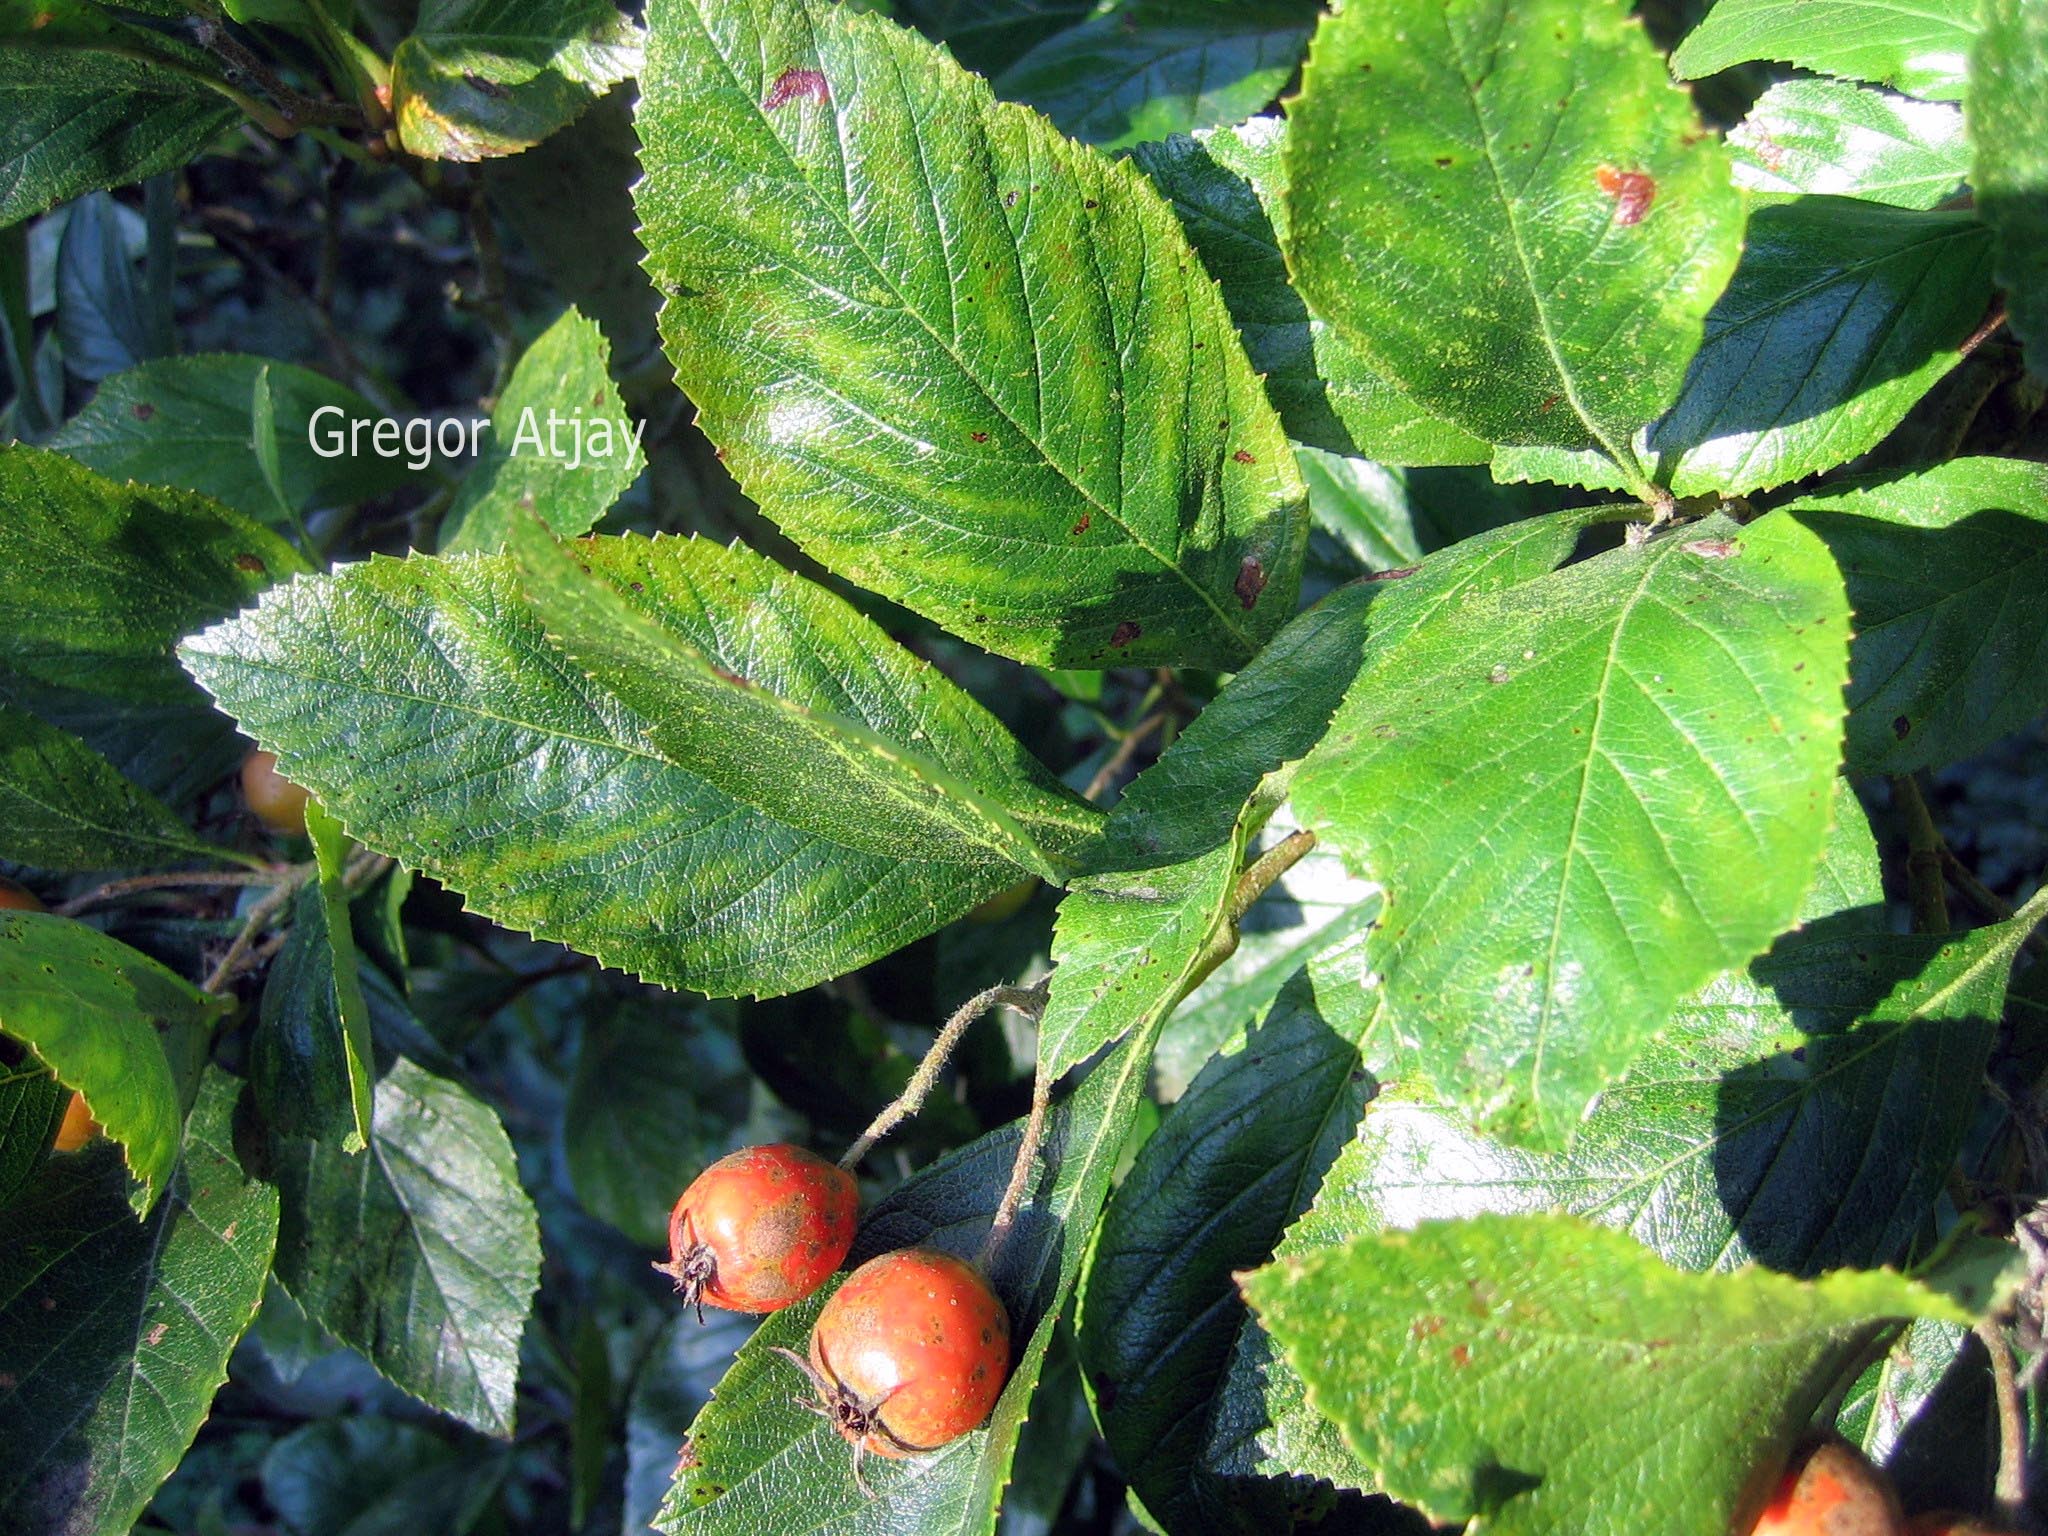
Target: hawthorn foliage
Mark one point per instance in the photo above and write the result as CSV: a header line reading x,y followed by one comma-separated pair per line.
x,y
1470,557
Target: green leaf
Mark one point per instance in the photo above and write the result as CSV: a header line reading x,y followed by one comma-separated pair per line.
x,y
99,580
1159,67
1918,47
1316,907
89,1008
2009,73
1480,1328
1388,517
423,1252
185,421
366,1476
495,765
1209,1195
310,1057
1948,577
99,1412
1660,729
561,447
1830,136
99,306
1130,942
1923,1414
779,694
1802,1114
176,746
479,78
32,1106
1229,189
79,118
961,360
764,1466
1841,315
63,806
1497,203
655,1096
569,201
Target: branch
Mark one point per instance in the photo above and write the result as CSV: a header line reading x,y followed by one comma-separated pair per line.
x,y
1923,858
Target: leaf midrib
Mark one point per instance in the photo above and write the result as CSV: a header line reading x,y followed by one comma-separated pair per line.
x,y
1223,618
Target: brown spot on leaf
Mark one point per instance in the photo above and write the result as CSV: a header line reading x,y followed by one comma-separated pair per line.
x,y
1251,581
1423,1327
732,677
1632,191
1712,549
686,1456
1244,458
252,564
1549,403
1393,575
1082,526
1125,633
1902,727
156,1334
792,83
979,437
483,87
1461,1356
142,410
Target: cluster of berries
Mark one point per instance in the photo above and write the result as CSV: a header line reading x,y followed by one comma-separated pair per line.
x,y
1831,1489
911,1352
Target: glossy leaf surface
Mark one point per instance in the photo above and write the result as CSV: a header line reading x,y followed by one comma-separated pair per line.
x,y
561,447
1840,316
1831,136
101,580
154,1309
186,421
1485,1326
1920,47
2009,73
1497,204
89,1008
421,1252
1011,401
492,77
1550,899
1229,189
494,763
1948,576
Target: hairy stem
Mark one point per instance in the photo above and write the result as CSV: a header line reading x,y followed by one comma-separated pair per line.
x,y
1026,1000
114,890
1005,1220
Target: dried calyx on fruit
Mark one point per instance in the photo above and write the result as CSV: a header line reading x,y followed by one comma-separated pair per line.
x,y
1830,1489
909,1354
760,1229
272,798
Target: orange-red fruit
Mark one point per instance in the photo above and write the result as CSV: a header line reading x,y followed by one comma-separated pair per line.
x,y
274,799
911,1352
18,897
1949,1523
78,1128
761,1229
1830,1489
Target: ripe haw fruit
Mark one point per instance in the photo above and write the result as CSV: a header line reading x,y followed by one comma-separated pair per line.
x,y
18,897
760,1229
78,1128
910,1353
274,799
1830,1489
